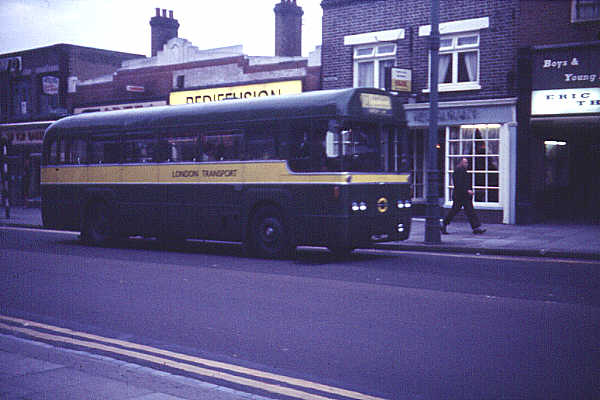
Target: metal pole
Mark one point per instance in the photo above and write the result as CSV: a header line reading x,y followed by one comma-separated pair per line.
x,y
432,214
4,175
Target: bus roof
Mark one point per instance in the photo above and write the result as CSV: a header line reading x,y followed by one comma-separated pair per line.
x,y
325,103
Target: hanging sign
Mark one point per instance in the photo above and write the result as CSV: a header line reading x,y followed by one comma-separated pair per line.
x,y
50,85
398,79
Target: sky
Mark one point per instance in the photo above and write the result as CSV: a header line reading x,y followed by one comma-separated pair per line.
x,y
124,25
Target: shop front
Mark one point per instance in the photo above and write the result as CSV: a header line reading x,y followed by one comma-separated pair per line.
x,y
24,158
484,132
565,133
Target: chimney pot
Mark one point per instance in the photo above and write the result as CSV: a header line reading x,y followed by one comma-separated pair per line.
x,y
163,29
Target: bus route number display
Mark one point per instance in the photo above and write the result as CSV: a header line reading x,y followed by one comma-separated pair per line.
x,y
376,103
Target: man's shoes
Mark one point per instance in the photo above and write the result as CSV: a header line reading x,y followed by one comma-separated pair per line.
x,y
479,231
443,228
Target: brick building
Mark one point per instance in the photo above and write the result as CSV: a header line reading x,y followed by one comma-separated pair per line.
x,y
36,88
485,80
179,72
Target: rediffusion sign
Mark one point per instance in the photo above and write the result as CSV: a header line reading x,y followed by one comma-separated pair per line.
x,y
236,92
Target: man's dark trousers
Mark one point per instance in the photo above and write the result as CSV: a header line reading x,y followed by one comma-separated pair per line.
x,y
465,202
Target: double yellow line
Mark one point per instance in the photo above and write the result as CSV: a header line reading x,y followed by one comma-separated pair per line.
x,y
180,361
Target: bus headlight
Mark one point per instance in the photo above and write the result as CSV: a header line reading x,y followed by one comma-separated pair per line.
x,y
404,204
400,228
359,206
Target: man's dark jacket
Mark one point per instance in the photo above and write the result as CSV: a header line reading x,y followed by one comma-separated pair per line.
x,y
462,183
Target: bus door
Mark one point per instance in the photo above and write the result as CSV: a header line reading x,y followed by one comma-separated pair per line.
x,y
139,196
219,196
180,176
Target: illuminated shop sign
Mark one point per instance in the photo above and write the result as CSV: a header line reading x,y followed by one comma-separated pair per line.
x,y
566,80
236,92
565,101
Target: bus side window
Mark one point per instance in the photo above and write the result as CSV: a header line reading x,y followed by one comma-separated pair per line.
x,y
221,146
178,147
79,151
260,143
64,150
104,149
306,148
139,147
53,156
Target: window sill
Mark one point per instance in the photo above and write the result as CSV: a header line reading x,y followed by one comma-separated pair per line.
x,y
449,87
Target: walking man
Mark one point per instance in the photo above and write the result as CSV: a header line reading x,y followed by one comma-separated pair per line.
x,y
462,197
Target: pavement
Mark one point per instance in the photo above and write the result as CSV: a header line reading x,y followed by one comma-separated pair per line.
x,y
37,371
578,241
33,370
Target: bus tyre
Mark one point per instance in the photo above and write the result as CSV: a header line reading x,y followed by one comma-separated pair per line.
x,y
269,237
97,228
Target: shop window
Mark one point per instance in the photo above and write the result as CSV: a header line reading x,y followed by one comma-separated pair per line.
x,y
417,162
585,10
480,144
22,104
370,63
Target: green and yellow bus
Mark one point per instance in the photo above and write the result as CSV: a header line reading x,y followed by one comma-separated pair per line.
x,y
319,168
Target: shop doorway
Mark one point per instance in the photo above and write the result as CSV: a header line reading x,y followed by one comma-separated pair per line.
x,y
571,182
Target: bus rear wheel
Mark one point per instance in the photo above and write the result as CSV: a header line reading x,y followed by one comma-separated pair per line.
x,y
97,228
269,236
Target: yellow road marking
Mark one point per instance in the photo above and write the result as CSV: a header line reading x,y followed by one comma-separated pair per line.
x,y
182,366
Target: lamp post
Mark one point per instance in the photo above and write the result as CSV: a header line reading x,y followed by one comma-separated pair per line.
x,y
432,212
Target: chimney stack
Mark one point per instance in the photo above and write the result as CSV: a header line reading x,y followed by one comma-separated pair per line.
x,y
163,29
288,29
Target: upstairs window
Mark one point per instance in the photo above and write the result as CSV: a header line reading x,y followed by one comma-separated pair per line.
x,y
585,10
370,63
459,53
459,62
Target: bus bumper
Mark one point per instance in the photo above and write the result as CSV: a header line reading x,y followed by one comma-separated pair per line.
x,y
366,231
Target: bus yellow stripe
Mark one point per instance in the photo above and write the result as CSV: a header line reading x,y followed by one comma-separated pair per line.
x,y
218,173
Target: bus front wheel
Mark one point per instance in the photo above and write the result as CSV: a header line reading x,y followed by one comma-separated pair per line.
x,y
97,228
269,236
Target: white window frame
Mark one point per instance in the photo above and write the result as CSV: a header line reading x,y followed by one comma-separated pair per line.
x,y
451,160
589,3
454,49
379,53
455,30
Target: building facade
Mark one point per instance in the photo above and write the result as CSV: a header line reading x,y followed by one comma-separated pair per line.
x,y
42,85
36,88
483,84
179,72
